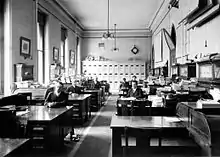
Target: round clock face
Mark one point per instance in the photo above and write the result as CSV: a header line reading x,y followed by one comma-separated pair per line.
x,y
134,50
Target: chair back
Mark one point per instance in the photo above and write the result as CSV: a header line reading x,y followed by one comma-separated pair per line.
x,y
124,107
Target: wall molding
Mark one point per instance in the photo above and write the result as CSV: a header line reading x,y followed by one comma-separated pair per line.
x,y
121,33
60,6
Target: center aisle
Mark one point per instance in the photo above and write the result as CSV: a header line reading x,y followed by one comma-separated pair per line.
x,y
97,137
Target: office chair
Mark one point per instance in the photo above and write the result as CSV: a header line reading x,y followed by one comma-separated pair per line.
x,y
28,96
142,108
124,108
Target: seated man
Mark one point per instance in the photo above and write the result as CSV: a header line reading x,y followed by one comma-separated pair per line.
x,y
97,84
74,88
59,98
135,91
123,88
56,98
50,89
124,84
134,78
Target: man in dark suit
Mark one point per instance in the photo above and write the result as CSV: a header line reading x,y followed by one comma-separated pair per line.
x,y
56,98
135,91
97,84
74,88
124,84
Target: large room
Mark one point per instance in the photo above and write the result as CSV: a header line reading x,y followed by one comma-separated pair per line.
x,y
109,78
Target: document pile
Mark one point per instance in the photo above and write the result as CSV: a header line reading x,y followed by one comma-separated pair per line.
x,y
208,103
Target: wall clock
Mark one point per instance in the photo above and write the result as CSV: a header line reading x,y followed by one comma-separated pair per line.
x,y
134,50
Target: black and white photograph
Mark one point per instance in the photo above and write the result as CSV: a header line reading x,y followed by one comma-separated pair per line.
x,y
109,78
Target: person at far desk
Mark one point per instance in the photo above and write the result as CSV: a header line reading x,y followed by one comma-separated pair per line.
x,y
97,84
74,88
123,88
124,84
56,98
135,91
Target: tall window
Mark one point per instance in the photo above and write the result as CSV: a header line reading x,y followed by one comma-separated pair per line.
x,y
41,23
63,45
1,47
77,56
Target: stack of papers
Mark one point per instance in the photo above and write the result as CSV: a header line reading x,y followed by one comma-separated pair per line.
x,y
20,113
172,119
208,103
129,98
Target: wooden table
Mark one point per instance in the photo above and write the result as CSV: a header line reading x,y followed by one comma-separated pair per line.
x,y
37,94
50,124
207,110
152,125
95,98
141,107
8,145
81,106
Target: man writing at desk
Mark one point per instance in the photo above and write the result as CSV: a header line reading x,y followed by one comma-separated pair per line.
x,y
57,97
135,91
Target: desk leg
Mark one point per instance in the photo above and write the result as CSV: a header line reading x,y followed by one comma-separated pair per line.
x,y
116,142
88,107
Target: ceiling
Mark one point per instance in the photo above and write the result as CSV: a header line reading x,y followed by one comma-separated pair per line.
x,y
127,14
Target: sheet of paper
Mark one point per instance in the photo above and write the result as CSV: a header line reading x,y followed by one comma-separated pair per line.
x,y
172,119
20,113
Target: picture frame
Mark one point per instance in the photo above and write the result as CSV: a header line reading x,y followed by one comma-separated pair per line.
x,y
25,47
72,57
55,54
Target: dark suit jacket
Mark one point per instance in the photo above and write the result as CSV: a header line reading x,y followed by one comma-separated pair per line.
x,y
137,94
97,85
124,85
75,89
58,101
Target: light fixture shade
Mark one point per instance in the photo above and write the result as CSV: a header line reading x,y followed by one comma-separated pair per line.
x,y
108,35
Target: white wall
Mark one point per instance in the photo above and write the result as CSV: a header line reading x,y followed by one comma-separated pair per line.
x,y
1,48
21,22
124,42
23,26
195,37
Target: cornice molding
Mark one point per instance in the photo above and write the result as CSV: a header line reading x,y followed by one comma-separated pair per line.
x,y
121,33
60,6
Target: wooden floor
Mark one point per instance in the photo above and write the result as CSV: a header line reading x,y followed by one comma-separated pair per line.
x,y
96,140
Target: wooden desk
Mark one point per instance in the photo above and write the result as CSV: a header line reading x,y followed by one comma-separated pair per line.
x,y
133,107
207,110
37,94
123,92
141,107
47,127
95,98
8,145
151,125
103,95
81,106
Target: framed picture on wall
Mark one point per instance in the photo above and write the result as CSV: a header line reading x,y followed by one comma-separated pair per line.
x,y
55,54
25,47
72,57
